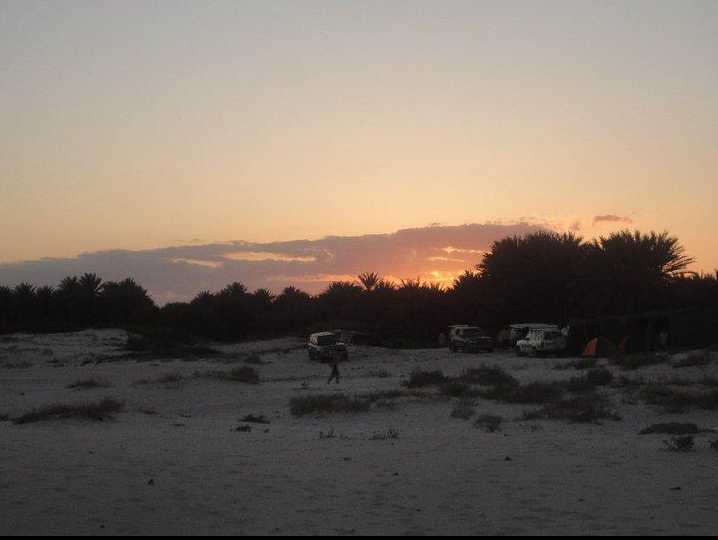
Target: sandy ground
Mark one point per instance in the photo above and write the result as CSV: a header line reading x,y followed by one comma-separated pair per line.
x,y
171,463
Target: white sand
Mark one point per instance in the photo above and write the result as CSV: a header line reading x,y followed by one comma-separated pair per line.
x,y
441,475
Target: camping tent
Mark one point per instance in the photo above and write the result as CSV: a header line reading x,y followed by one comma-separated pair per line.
x,y
600,347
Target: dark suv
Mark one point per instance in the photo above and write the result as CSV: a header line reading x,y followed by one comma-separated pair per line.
x,y
469,339
323,345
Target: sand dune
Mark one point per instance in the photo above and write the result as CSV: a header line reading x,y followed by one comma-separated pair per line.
x,y
172,462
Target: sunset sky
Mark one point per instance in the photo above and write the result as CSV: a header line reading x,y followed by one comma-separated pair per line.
x,y
129,127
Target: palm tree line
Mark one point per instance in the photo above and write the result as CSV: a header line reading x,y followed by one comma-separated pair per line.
x,y
544,276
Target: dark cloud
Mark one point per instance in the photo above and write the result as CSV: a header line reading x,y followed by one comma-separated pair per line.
x,y
179,272
610,218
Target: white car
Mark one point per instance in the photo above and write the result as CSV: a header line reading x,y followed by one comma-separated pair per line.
x,y
541,342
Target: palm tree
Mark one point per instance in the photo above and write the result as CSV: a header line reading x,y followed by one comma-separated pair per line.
x,y
369,280
632,271
6,308
234,290
124,302
90,284
25,302
533,277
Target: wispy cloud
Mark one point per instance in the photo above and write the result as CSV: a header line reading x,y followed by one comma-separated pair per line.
x,y
610,218
433,253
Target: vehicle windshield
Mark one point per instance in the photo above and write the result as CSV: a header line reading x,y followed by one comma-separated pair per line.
x,y
327,340
552,335
472,332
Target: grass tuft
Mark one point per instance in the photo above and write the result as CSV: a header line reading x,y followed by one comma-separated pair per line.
x,y
695,359
463,409
584,363
327,404
251,419
631,362
672,428
487,376
583,409
421,379
100,410
680,444
488,422
88,383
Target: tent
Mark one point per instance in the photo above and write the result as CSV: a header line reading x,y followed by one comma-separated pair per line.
x,y
600,347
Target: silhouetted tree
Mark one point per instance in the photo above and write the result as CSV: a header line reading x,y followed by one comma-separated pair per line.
x,y
368,280
125,302
533,278
631,272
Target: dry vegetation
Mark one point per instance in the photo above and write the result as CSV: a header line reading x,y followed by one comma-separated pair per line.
x,y
672,428
88,383
104,409
488,422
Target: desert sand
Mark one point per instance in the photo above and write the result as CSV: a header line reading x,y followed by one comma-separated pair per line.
x,y
172,462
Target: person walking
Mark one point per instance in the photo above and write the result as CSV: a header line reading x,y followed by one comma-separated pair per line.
x,y
336,358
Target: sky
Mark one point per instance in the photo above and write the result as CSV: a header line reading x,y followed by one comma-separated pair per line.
x,y
129,127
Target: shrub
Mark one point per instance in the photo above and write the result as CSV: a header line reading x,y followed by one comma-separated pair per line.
x,y
383,394
101,410
698,358
680,444
488,422
87,383
635,361
253,359
254,419
163,343
244,374
584,363
487,376
385,435
420,379
166,379
672,428
535,392
463,409
576,409
454,388
679,400
599,376
328,403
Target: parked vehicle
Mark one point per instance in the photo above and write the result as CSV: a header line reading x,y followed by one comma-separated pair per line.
x,y
323,345
469,339
521,330
542,342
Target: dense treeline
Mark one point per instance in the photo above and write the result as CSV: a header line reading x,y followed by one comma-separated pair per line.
x,y
546,277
